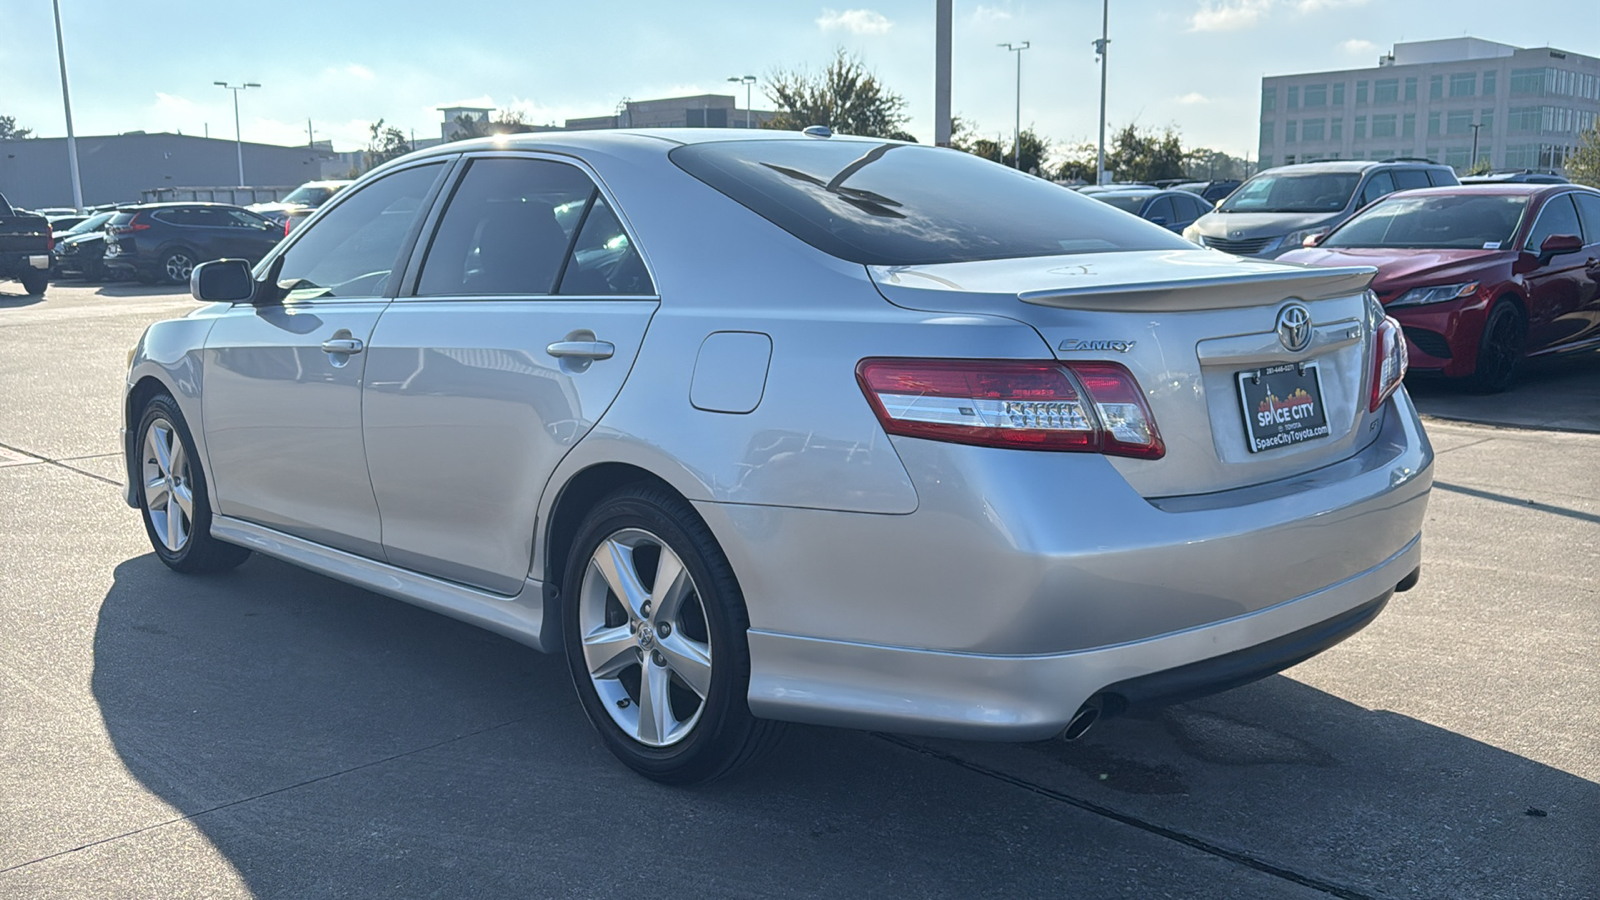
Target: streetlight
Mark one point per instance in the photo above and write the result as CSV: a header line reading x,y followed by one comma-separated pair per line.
x,y
747,81
238,139
1100,57
1017,138
1475,146
66,103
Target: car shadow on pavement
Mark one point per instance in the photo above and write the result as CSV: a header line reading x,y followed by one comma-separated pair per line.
x,y
10,299
331,742
134,289
1559,392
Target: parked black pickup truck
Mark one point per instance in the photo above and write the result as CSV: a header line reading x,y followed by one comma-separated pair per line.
x,y
25,245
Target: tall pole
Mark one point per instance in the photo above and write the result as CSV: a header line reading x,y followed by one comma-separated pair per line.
x,y
238,135
66,103
1100,51
1016,139
1475,145
747,81
942,125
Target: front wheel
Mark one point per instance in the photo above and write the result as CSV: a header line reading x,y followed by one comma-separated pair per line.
x,y
655,633
173,495
1505,337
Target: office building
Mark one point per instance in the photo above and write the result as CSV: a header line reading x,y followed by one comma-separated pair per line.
x,y
1525,108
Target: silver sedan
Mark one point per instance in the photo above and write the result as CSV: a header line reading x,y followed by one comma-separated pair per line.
x,y
774,427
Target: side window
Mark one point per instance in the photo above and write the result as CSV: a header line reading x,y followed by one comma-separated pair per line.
x,y
352,249
1559,216
604,261
244,219
506,230
1589,211
1441,179
208,217
1160,208
175,216
1380,185
1406,179
1196,208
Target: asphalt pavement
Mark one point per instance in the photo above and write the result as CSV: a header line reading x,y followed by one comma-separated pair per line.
x,y
273,733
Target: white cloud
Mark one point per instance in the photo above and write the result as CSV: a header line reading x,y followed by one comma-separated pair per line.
x,y
173,103
1311,6
1192,98
1358,47
986,14
1228,15
357,70
855,21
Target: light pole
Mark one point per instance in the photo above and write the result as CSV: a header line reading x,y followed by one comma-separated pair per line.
x,y
747,81
66,103
1100,57
238,138
1475,145
941,73
1017,135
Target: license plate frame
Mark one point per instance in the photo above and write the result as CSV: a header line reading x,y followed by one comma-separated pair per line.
x,y
1275,413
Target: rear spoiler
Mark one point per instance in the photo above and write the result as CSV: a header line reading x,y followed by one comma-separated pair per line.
x,y
1209,291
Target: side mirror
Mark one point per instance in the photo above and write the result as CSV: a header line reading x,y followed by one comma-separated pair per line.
x,y
1158,220
1557,244
222,281
1315,238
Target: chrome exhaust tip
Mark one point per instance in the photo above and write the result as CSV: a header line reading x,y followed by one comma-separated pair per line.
x,y
1082,720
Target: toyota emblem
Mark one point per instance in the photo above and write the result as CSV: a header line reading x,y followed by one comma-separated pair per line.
x,y
1294,327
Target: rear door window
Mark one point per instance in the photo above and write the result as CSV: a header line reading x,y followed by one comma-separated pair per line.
x,y
604,261
1406,179
1558,216
1379,185
894,204
1589,213
1161,208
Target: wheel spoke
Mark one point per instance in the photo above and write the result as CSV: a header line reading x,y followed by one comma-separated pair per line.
x,y
690,660
179,459
160,444
609,650
175,534
615,564
656,721
672,584
183,495
155,493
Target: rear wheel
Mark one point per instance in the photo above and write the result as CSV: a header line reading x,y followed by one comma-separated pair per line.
x,y
176,265
34,282
655,632
1505,338
173,496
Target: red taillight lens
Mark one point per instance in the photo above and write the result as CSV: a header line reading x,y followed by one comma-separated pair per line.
x,y
49,237
130,226
1389,361
287,225
1086,407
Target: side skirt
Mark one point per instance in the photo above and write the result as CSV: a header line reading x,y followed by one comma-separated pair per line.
x,y
520,618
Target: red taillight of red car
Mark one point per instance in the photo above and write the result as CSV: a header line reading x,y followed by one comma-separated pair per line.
x,y
1389,361
1089,407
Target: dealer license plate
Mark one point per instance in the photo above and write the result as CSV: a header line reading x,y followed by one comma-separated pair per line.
x,y
1282,406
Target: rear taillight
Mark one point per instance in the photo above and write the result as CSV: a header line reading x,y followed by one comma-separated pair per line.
x,y
49,237
287,226
1389,361
1093,407
130,226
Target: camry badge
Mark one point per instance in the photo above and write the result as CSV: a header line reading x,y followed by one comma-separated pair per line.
x,y
1074,344
1294,327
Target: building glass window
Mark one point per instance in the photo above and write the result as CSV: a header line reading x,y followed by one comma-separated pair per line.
x,y
1294,96
1527,81
1336,130
1316,95
1383,126
1361,127
1458,157
1338,94
1408,125
1289,130
1486,119
1386,90
1464,84
1361,92
1433,124
1289,160
1266,161
1523,120
1458,121
1522,156
1411,89
1269,99
1488,82
1312,129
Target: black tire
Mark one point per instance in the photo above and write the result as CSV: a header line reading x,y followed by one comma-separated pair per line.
x,y
725,736
35,281
176,264
1500,350
199,552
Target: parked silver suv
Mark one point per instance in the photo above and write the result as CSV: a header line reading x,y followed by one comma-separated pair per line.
x,y
761,426
1276,210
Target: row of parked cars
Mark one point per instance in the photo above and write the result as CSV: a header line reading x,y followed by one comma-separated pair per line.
x,y
163,242
1480,272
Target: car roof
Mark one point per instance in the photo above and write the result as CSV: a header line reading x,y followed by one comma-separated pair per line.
x,y
618,138
1503,189
168,204
1354,165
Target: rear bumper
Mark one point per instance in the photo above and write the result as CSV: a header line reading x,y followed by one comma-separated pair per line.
x,y
1026,698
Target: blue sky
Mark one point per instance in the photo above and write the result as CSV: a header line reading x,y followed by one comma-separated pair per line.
x,y
1195,64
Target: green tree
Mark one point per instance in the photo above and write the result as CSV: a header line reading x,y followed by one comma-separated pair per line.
x,y
1205,164
505,121
1583,165
1143,154
1034,151
387,143
1077,163
10,132
846,97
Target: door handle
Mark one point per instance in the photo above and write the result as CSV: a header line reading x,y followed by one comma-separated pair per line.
x,y
582,349
343,345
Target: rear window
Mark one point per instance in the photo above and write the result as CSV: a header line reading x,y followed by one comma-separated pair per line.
x,y
1296,192
1124,202
902,204
1450,222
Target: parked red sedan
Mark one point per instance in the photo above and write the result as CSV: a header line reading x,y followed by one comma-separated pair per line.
x,y
1479,276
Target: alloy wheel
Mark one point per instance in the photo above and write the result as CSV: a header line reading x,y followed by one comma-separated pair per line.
x,y
178,267
1502,348
168,489
645,641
